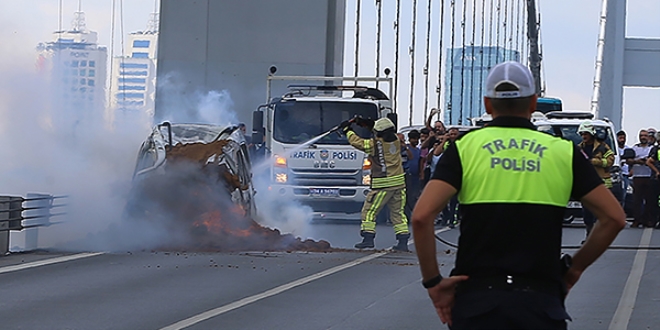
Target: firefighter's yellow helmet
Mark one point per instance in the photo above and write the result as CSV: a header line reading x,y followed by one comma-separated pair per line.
x,y
383,124
587,127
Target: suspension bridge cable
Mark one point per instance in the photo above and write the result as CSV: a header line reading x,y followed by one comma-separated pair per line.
x,y
460,113
505,27
526,35
357,40
481,61
428,59
123,51
499,22
474,32
396,53
121,27
518,29
543,82
490,32
59,17
511,26
442,25
451,60
379,4
411,51
112,46
523,31
599,58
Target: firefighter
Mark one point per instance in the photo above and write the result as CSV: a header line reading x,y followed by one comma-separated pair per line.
x,y
513,184
388,181
601,156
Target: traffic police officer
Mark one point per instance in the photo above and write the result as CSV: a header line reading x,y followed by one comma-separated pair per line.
x,y
513,183
388,181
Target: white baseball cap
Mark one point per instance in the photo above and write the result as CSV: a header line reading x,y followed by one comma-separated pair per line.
x,y
512,73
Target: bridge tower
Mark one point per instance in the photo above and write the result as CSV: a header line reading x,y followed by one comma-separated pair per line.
x,y
622,62
228,46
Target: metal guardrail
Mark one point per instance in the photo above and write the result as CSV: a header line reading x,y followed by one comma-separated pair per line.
x,y
18,213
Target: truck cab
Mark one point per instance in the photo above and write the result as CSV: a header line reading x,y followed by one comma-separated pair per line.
x,y
303,163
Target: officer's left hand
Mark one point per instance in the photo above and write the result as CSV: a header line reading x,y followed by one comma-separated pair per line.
x,y
443,295
596,161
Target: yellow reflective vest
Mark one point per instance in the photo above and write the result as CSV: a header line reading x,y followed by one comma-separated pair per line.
x,y
385,158
515,165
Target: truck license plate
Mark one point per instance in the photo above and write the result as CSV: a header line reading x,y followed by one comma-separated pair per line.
x,y
323,192
574,205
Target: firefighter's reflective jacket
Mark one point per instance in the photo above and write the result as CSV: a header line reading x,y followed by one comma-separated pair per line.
x,y
385,158
602,159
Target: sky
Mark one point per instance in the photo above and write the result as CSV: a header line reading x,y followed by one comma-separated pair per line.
x,y
569,40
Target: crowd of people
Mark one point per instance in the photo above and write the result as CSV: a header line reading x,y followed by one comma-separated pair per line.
x,y
420,154
641,170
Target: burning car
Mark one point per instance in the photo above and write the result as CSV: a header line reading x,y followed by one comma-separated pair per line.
x,y
218,151
196,179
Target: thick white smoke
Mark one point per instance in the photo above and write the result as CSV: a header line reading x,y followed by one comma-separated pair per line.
x,y
47,149
50,149
180,105
276,212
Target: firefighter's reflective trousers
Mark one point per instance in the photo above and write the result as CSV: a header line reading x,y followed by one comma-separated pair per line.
x,y
395,198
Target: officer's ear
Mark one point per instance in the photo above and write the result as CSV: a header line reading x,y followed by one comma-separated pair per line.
x,y
532,104
489,105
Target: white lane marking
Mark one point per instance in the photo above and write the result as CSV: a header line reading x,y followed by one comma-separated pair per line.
x,y
248,300
14,268
442,230
629,295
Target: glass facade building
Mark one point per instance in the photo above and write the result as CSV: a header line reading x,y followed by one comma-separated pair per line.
x,y
133,87
75,67
465,78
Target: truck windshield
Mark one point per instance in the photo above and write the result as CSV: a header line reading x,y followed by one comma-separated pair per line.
x,y
299,121
570,132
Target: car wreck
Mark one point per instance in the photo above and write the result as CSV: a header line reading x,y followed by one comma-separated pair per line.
x,y
197,180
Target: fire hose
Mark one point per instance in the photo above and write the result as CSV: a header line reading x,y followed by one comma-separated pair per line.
x,y
611,247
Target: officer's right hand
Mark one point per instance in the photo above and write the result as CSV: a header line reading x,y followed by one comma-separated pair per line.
x,y
443,296
571,277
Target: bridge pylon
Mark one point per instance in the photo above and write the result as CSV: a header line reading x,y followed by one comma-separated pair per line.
x,y
621,62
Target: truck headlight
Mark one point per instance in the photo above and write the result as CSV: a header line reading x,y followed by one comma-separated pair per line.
x,y
280,177
366,179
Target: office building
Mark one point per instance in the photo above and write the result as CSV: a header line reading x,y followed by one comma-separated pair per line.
x,y
133,84
465,78
75,66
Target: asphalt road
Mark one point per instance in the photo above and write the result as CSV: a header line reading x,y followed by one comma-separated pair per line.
x,y
338,290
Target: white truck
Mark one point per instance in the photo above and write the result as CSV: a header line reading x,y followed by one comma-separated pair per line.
x,y
328,175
